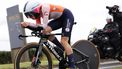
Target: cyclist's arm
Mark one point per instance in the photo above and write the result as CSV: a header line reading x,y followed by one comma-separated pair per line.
x,y
31,26
45,14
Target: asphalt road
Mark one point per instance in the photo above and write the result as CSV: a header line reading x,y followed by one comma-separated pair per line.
x,y
108,64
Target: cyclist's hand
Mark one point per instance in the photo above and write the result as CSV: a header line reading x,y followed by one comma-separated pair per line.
x,y
24,24
47,30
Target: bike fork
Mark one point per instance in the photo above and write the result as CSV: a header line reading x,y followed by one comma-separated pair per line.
x,y
35,59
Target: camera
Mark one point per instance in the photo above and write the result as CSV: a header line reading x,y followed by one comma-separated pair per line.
x,y
113,9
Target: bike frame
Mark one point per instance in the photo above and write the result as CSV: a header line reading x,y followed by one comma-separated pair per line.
x,y
51,48
44,42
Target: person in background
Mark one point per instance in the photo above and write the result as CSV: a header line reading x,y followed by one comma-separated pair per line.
x,y
112,30
52,17
111,27
115,12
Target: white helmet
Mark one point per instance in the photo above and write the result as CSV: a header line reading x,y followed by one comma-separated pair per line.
x,y
30,7
109,19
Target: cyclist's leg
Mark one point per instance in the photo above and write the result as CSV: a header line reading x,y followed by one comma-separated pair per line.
x,y
67,23
55,24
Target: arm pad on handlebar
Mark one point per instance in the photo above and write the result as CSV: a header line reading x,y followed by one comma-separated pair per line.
x,y
38,28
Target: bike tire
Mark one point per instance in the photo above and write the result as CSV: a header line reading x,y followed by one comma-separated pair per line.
x,y
88,49
32,46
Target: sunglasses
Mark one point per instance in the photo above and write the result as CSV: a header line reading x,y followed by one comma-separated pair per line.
x,y
29,14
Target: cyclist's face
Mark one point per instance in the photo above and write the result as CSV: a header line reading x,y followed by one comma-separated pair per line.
x,y
108,20
30,15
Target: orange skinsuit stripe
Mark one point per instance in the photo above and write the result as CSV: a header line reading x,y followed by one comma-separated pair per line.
x,y
56,8
54,12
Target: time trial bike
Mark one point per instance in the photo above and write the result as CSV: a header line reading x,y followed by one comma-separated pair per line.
x,y
40,53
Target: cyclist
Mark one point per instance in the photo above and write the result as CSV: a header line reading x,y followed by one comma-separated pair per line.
x,y
52,17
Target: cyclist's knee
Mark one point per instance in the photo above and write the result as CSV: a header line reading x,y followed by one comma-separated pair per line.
x,y
64,40
66,45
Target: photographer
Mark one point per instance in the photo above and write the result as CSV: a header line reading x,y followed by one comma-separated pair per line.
x,y
111,29
117,17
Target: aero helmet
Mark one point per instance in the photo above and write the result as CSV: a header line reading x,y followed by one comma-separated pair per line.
x,y
32,8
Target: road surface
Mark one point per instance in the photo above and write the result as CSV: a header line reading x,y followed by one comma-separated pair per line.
x,y
109,64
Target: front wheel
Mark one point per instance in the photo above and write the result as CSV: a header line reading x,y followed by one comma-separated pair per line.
x,y
25,55
86,55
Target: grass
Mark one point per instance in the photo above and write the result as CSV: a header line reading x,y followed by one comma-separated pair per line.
x,y
11,66
27,64
24,65
118,68
6,66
